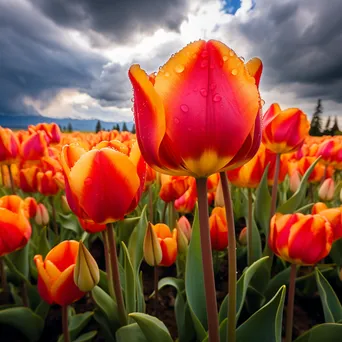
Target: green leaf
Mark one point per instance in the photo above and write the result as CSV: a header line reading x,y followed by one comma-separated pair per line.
x,y
336,252
42,309
25,320
263,203
14,270
69,222
194,281
153,329
327,332
266,324
125,228
105,327
43,245
241,289
20,259
294,202
89,336
256,242
141,305
131,333
331,305
130,281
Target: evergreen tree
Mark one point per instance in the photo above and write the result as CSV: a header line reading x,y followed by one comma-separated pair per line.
x,y
98,127
118,127
335,129
124,127
64,129
133,129
70,127
327,125
316,122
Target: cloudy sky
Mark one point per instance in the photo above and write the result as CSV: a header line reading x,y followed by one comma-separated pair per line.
x,y
63,58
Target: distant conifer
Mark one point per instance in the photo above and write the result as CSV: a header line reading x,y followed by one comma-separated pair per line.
x,y
316,122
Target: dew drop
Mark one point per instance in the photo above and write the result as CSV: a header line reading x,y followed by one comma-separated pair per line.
x,y
176,121
262,102
234,72
88,181
179,68
204,92
242,58
184,108
213,86
231,53
132,99
167,74
195,90
217,98
225,58
204,63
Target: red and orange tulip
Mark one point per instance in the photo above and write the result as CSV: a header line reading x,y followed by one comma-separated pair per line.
x,y
52,131
56,274
30,207
9,146
300,239
218,229
334,216
34,147
199,97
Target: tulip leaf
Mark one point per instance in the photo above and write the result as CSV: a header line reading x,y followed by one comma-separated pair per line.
x,y
14,270
24,320
125,228
178,284
327,332
130,281
43,245
336,252
294,202
241,289
70,222
256,242
263,204
141,305
131,333
223,329
86,337
21,259
266,324
194,281
42,309
331,305
106,329
153,329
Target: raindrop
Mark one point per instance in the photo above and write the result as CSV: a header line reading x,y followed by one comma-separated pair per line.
x,y
204,63
225,58
176,121
88,181
234,72
179,68
242,58
213,86
204,92
167,74
231,53
262,102
184,108
217,98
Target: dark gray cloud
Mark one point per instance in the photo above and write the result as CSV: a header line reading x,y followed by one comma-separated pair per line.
x,y
37,59
115,20
300,45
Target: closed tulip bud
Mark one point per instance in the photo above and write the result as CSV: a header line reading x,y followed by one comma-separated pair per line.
x,y
56,274
182,242
184,225
152,251
218,229
64,205
300,239
334,216
243,237
318,207
30,207
42,216
294,181
219,200
327,189
86,273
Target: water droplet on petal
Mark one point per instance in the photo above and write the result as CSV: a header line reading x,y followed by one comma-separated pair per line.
x,y
234,72
204,63
262,102
176,121
88,181
213,86
167,74
225,58
204,92
231,53
184,108
179,68
217,98
242,58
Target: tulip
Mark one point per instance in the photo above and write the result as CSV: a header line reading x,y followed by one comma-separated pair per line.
x,y
295,181
330,152
46,183
9,146
334,216
64,205
56,274
15,229
152,250
173,187
86,273
91,226
34,147
94,178
300,239
184,225
30,207
42,215
28,179
327,189
284,130
52,131
243,237
318,207
186,203
218,229
199,97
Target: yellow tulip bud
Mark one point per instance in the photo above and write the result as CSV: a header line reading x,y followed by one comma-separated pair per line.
x,y
42,215
152,251
86,273
182,241
326,191
65,205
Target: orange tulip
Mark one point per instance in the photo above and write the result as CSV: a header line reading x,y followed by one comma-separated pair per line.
x,y
102,185
30,207
173,187
9,146
330,152
218,229
186,203
243,237
201,96
334,216
34,147
300,239
284,130
28,179
270,159
51,130
46,183
318,207
15,229
150,176
56,274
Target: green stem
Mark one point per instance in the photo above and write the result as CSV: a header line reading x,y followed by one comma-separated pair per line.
x,y
11,179
290,303
150,204
250,229
54,220
156,280
108,267
232,268
116,275
164,212
172,215
24,294
65,323
3,276
207,261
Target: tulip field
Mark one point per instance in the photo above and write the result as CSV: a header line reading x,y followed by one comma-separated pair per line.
x,y
219,220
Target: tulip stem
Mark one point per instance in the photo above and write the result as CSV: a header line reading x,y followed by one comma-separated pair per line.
x,y
290,303
3,276
207,261
11,179
116,275
108,267
65,323
24,294
150,204
232,268
164,212
54,221
250,229
172,215
156,280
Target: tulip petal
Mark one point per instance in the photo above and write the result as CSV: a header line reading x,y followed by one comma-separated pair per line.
x,y
254,67
169,251
44,281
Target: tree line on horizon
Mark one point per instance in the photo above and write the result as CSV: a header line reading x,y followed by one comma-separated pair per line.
x,y
98,128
